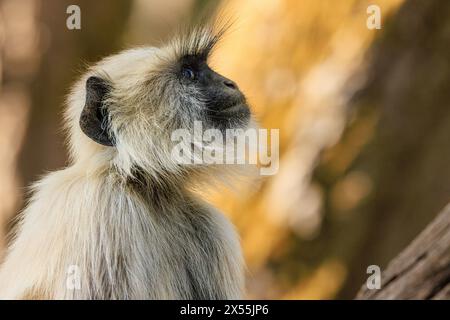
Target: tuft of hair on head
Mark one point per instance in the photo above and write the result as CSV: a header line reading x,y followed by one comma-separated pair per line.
x,y
200,39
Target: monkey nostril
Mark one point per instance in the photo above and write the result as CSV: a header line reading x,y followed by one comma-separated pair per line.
x,y
230,84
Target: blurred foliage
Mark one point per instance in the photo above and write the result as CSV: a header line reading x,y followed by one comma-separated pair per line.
x,y
363,118
300,69
405,101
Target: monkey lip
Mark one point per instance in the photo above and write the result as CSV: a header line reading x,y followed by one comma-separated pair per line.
x,y
238,107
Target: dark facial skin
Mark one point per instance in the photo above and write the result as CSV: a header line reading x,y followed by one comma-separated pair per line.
x,y
225,104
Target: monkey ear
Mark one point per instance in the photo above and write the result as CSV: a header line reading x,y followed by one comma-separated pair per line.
x,y
94,120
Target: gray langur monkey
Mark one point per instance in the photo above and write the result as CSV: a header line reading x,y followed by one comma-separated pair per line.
x,y
122,217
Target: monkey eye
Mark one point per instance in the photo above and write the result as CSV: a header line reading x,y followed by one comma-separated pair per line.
x,y
188,73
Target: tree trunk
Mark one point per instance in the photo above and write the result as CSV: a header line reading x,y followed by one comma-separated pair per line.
x,y
422,270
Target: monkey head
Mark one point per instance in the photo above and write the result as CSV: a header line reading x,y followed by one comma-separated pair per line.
x,y
126,107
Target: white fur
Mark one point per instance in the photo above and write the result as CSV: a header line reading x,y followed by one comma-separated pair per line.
x,y
130,238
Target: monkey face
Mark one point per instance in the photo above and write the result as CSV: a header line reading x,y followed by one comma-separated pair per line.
x,y
133,101
216,100
167,88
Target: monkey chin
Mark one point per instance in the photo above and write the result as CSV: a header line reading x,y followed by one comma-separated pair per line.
x,y
237,116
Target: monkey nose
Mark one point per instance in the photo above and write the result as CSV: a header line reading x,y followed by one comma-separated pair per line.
x,y
230,84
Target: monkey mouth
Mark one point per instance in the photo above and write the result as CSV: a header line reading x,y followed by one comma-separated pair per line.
x,y
236,115
235,108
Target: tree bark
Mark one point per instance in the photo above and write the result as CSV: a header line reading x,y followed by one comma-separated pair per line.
x,y
422,270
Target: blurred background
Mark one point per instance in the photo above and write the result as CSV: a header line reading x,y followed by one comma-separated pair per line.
x,y
364,119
